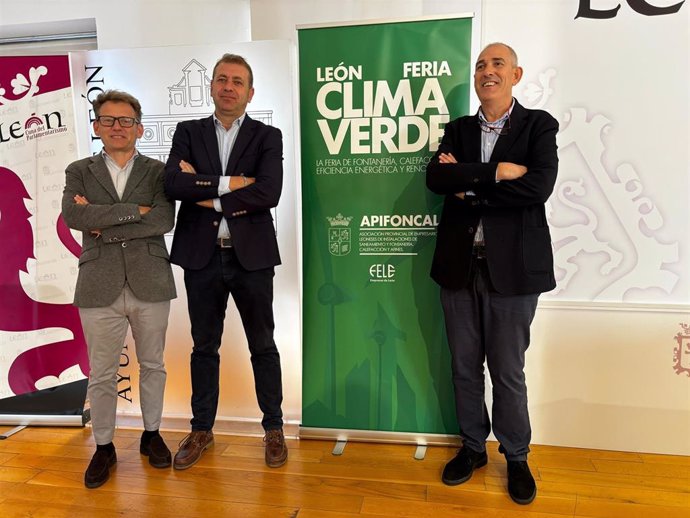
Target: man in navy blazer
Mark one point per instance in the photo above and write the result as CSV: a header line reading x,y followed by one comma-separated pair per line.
x,y
227,170
493,258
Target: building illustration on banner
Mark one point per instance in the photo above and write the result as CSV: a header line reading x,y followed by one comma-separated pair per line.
x,y
189,98
600,215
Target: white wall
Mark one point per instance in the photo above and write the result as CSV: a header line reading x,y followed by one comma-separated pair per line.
x,y
142,23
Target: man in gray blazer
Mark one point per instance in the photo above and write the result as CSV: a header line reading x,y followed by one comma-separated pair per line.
x,y
117,200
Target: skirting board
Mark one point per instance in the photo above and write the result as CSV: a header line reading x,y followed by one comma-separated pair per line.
x,y
223,426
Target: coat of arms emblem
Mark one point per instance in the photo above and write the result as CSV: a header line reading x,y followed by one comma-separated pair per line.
x,y
339,235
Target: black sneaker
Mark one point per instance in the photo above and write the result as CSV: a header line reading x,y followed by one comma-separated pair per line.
x,y
460,468
521,485
98,471
158,453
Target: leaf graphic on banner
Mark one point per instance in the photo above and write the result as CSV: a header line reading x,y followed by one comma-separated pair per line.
x,y
20,84
35,73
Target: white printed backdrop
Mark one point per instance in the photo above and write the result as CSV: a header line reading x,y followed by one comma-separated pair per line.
x,y
619,88
172,84
609,364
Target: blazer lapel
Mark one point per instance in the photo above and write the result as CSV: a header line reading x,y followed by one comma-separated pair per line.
x,y
471,141
135,177
211,142
505,142
102,176
243,139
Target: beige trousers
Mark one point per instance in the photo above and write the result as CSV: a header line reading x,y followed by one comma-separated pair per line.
x,y
105,330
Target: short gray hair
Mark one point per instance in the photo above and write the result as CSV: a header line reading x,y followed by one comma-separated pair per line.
x,y
513,54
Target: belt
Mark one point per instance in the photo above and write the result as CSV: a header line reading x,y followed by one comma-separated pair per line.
x,y
224,242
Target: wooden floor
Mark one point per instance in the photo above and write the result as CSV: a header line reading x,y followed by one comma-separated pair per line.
x,y
42,472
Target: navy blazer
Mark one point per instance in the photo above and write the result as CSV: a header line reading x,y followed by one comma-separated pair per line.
x,y
518,243
257,153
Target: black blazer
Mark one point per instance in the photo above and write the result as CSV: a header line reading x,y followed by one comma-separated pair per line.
x,y
516,234
258,153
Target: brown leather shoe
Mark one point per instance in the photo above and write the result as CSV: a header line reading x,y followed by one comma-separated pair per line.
x,y
191,449
276,449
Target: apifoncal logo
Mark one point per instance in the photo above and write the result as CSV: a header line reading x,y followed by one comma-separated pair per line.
x,y
382,273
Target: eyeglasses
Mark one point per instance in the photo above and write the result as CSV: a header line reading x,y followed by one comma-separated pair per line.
x,y
125,122
499,130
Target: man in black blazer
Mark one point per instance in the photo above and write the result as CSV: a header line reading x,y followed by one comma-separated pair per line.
x,y
227,170
493,258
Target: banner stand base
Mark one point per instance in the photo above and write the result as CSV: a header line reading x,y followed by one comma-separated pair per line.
x,y
23,420
339,447
11,432
422,441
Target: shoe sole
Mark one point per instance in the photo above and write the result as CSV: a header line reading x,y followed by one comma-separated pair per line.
x,y
524,501
457,482
187,466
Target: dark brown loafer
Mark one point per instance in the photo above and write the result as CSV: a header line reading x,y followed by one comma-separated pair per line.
x,y
98,471
191,449
158,453
276,449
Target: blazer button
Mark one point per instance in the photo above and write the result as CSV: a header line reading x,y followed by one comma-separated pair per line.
x,y
215,223
124,245
476,180
470,230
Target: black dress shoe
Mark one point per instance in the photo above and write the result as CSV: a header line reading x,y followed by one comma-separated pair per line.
x,y
98,471
460,468
521,486
158,453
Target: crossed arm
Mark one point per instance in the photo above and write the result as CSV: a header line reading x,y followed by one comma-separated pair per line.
x,y
504,170
235,183
116,221
500,184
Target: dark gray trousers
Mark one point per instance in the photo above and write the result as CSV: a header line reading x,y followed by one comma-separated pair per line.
x,y
484,325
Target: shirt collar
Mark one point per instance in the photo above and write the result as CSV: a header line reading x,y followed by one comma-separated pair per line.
x,y
238,121
498,122
108,157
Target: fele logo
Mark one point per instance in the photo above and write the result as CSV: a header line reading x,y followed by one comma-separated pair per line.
x,y
585,9
382,273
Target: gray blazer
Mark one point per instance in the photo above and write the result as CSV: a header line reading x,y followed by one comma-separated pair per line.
x,y
131,247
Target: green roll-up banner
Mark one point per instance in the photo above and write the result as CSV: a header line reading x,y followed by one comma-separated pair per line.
x,y
374,99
